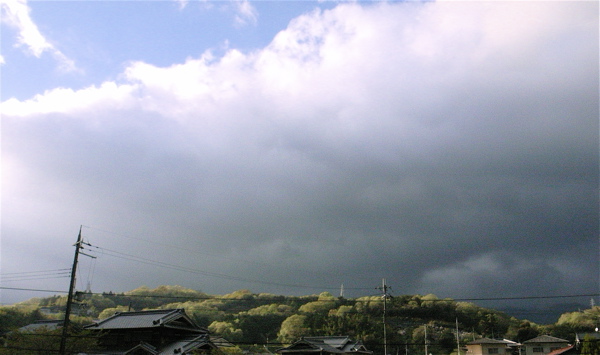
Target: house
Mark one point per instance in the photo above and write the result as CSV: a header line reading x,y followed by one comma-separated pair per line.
x,y
325,345
155,332
487,346
543,345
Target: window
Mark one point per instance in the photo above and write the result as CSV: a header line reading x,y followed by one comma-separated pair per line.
x,y
492,350
538,349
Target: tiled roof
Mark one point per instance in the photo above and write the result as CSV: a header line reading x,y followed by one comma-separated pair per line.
x,y
330,344
562,350
545,339
187,344
146,319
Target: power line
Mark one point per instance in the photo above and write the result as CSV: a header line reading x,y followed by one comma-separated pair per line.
x,y
143,260
33,275
303,297
187,250
32,272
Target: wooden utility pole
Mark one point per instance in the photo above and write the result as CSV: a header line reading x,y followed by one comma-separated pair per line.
x,y
65,330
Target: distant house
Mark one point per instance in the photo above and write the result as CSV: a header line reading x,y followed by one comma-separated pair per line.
x,y
325,345
544,345
487,346
163,332
40,325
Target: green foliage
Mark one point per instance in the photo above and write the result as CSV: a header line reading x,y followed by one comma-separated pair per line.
x,y
226,330
12,317
109,312
248,318
43,341
270,309
585,319
293,328
590,346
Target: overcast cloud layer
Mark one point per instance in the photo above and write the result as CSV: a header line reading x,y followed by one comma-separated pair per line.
x,y
451,148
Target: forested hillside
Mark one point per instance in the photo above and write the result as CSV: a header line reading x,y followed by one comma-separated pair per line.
x,y
252,320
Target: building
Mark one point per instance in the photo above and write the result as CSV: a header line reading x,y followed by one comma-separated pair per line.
x,y
157,332
487,346
543,345
325,345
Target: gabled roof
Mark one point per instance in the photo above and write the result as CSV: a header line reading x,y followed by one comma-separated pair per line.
x,y
545,339
151,350
184,345
330,344
169,318
491,341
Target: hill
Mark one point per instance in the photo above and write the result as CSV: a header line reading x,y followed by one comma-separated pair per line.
x,y
247,318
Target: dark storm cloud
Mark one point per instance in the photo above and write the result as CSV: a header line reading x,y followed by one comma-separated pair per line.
x,y
453,157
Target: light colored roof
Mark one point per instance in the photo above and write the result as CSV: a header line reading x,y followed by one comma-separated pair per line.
x,y
490,341
545,339
42,324
172,318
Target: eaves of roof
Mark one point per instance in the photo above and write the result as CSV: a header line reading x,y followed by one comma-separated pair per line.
x,y
545,339
489,341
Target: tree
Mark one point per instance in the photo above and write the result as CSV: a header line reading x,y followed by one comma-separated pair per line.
x,y
590,346
293,328
47,342
526,332
227,330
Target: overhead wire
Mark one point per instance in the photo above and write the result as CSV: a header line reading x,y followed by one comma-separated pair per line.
x,y
33,275
187,250
130,257
315,298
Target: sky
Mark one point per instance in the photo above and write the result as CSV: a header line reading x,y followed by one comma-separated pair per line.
x,y
295,147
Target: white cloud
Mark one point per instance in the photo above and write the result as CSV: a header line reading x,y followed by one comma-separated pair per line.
x,y
245,13
16,14
68,101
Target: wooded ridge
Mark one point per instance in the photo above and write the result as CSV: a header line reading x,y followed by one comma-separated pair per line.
x,y
249,319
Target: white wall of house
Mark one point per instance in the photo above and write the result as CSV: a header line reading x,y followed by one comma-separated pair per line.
x,y
488,349
543,348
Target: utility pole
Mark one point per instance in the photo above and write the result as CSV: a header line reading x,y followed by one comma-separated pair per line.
x,y
65,330
385,296
426,339
457,338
